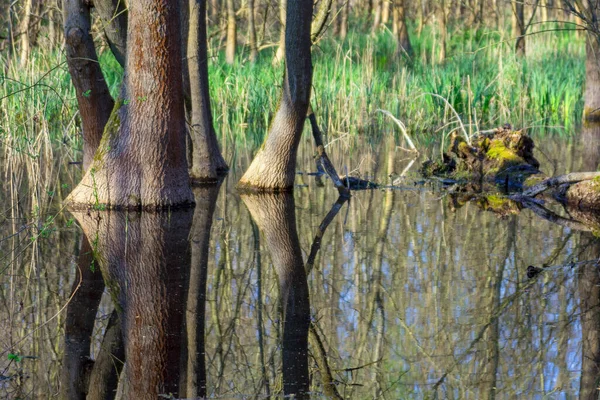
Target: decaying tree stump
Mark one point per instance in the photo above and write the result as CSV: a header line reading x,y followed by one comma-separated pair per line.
x,y
499,170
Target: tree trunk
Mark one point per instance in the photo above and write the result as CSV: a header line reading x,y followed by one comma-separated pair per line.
x,y
273,168
519,10
104,379
93,98
145,260
345,4
113,14
195,368
214,11
589,304
24,33
79,324
377,6
207,161
231,33
442,29
401,30
281,49
141,161
275,216
385,12
252,32
591,111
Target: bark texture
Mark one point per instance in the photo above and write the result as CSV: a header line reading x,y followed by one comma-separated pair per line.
x,y
93,98
207,161
141,162
145,260
273,167
275,216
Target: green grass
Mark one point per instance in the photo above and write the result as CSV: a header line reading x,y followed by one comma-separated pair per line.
x,y
481,79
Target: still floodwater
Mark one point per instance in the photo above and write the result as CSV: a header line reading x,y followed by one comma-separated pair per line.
x,y
408,296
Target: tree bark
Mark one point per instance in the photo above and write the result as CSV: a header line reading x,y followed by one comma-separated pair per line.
x,y
275,216
273,168
93,98
231,33
141,161
207,161
145,261
113,14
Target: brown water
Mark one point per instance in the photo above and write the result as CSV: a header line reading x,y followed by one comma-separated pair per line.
x,y
408,296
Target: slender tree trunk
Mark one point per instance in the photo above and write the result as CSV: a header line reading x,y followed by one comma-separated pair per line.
x,y
79,324
345,4
214,11
141,162
93,98
231,33
252,32
441,19
24,33
104,379
519,11
377,8
273,168
591,111
275,216
113,14
207,161
385,11
401,30
195,382
281,49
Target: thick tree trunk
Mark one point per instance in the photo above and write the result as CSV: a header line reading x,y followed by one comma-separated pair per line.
x,y
231,33
273,168
113,14
93,98
591,111
145,260
252,32
401,30
280,53
79,324
275,216
195,363
207,161
141,161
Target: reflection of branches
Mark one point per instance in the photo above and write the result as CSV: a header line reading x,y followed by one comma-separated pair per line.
x,y
316,245
551,216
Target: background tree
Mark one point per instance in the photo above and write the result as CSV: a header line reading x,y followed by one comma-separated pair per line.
x,y
273,167
231,33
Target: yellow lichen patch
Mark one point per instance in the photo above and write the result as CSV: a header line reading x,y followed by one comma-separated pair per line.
x,y
498,151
